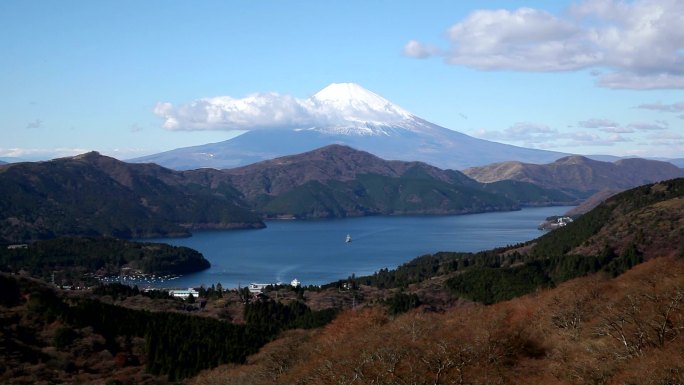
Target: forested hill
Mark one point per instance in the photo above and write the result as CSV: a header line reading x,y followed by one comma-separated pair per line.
x,y
633,226
338,181
92,194
73,257
52,336
649,218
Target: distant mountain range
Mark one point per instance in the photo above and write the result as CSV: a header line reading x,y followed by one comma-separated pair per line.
x,y
350,115
578,173
91,194
575,174
679,162
338,181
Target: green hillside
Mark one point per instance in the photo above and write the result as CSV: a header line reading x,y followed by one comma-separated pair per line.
x,y
74,257
338,181
94,195
651,218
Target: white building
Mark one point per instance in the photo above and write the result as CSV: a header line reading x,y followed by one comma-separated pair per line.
x,y
182,293
255,288
295,283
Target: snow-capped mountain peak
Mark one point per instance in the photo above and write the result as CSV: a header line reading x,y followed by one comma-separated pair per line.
x,y
346,96
341,113
352,109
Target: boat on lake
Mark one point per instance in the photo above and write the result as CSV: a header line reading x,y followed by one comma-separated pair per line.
x,y
348,239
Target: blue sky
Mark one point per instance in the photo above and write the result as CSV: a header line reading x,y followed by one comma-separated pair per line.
x,y
586,77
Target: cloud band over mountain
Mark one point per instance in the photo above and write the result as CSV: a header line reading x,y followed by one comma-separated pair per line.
x,y
338,105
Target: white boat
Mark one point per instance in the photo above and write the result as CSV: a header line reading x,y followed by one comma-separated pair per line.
x,y
349,239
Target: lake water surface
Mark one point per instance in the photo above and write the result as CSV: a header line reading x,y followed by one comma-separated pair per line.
x,y
315,251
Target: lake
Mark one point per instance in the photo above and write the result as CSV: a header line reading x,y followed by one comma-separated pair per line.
x,y
315,251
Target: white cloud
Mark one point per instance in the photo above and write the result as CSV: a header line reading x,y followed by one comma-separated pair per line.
x,y
542,136
592,139
598,123
261,110
618,130
658,125
35,124
531,134
675,107
667,139
635,81
418,50
606,125
338,105
525,40
640,43
40,153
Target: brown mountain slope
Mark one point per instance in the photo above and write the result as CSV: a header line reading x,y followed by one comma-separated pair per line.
x,y
589,330
591,202
656,230
334,162
338,181
580,173
647,218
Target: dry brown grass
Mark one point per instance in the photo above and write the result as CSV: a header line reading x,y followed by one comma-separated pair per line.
x,y
555,336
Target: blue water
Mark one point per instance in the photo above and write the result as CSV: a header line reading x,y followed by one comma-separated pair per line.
x,y
315,251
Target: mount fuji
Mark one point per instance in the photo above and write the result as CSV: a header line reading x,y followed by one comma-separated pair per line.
x,y
347,114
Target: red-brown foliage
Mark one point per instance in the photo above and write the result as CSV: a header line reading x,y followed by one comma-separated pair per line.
x,y
567,335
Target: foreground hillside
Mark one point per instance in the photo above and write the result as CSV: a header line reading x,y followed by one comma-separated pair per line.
x,y
51,336
575,306
591,330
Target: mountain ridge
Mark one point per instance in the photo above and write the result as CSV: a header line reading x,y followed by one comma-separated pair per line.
x,y
338,180
92,195
580,173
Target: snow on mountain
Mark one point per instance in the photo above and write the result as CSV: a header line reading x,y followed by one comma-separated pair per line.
x,y
352,109
345,108
341,113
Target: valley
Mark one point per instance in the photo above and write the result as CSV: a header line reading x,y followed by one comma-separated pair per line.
x,y
524,296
